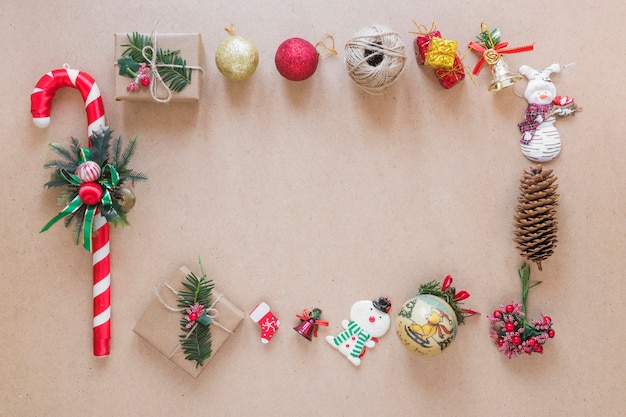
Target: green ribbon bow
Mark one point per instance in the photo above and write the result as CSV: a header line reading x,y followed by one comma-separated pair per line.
x,y
76,203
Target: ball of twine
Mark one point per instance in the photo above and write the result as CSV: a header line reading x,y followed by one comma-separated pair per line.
x,y
375,58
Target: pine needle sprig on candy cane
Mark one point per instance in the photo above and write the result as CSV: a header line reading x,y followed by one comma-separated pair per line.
x,y
120,159
170,65
195,299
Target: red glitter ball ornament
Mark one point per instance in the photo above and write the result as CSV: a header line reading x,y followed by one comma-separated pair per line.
x,y
296,59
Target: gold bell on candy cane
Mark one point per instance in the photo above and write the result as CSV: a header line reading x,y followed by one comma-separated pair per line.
x,y
501,74
126,198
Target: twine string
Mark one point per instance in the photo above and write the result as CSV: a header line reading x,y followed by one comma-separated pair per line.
x,y
329,50
149,54
422,30
210,311
381,42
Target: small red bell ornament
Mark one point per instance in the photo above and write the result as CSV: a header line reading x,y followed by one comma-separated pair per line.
x,y
427,323
309,323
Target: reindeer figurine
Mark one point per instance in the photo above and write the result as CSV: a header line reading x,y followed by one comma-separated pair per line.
x,y
541,141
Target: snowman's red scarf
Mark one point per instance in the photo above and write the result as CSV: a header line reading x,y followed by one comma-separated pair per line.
x,y
530,125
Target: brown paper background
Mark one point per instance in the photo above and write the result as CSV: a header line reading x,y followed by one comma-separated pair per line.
x,y
317,194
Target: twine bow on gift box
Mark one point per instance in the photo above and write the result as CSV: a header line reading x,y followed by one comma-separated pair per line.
x,y
197,317
424,31
142,55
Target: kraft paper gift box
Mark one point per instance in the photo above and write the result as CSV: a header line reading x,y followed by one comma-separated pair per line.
x,y
160,326
190,46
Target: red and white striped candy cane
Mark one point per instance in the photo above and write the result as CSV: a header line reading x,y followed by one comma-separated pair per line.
x,y
41,100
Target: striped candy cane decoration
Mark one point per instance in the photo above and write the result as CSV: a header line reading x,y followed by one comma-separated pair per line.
x,y
41,101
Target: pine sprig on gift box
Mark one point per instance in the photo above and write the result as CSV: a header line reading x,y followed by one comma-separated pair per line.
x,y
195,300
169,64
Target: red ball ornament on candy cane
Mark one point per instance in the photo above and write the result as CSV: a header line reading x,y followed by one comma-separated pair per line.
x,y
296,59
90,193
41,101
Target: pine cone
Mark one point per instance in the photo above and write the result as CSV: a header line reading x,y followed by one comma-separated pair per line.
x,y
535,221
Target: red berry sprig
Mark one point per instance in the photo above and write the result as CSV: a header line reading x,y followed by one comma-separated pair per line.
x,y
513,332
515,335
193,313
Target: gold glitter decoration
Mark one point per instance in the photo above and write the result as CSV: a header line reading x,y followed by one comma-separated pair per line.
x,y
236,57
441,53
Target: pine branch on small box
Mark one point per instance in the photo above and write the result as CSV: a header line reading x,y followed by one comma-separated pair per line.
x,y
169,64
195,300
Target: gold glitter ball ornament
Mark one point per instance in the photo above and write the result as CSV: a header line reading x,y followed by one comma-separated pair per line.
x,y
236,57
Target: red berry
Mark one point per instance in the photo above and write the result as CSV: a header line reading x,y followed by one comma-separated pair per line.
x,y
538,348
145,81
532,341
497,314
509,327
547,319
550,333
500,341
516,340
509,308
193,316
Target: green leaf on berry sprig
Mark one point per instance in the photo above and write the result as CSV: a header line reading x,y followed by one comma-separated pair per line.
x,y
195,301
128,66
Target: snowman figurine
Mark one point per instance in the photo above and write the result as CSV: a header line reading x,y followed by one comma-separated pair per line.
x,y
368,321
541,141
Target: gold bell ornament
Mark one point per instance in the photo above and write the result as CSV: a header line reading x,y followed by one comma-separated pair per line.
x,y
126,198
491,48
